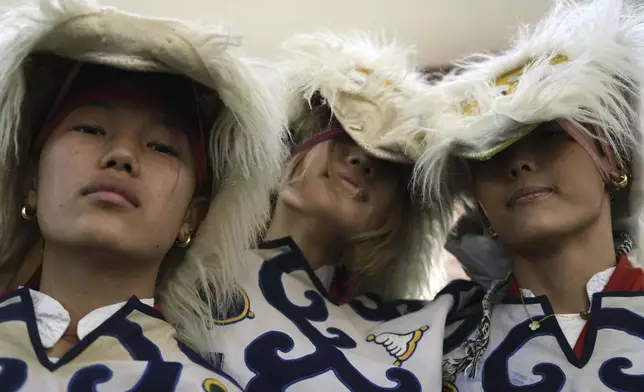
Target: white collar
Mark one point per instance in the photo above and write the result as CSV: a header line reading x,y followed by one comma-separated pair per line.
x,y
595,284
53,320
325,274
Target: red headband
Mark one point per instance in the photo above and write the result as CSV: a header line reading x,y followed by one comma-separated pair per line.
x,y
587,145
136,93
324,136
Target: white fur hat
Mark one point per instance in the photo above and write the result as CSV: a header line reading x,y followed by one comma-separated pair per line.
x,y
375,91
245,148
373,88
581,63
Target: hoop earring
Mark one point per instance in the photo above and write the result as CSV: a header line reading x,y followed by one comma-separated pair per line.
x,y
185,243
621,182
491,232
27,213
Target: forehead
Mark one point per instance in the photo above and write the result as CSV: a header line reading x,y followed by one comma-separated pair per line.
x,y
139,95
122,109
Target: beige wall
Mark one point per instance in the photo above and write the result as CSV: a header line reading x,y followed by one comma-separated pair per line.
x,y
441,29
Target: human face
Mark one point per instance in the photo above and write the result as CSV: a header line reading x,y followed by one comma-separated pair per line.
x,y
541,188
346,191
116,176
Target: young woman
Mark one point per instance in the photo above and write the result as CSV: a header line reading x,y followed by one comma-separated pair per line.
x,y
346,234
544,141
136,158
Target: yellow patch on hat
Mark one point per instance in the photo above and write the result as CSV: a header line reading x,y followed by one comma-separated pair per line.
x,y
368,72
509,82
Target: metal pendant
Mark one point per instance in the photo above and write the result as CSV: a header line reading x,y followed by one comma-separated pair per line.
x,y
534,325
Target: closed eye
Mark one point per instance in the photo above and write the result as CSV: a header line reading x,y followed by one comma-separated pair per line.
x,y
553,134
89,129
164,149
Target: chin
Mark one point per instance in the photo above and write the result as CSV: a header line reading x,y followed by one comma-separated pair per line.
x,y
116,248
104,230
538,232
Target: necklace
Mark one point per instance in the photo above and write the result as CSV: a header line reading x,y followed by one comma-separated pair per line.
x,y
534,324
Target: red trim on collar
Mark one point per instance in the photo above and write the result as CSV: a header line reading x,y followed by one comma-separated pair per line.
x,y
624,278
513,288
6,292
342,289
581,342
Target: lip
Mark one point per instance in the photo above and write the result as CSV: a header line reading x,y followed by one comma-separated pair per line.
x,y
353,186
112,191
529,193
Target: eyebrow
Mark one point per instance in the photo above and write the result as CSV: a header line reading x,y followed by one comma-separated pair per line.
x,y
158,116
99,104
172,122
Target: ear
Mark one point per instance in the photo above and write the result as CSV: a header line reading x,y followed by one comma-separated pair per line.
x,y
30,186
614,173
196,213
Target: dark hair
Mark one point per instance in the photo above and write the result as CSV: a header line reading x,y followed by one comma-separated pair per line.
x,y
185,100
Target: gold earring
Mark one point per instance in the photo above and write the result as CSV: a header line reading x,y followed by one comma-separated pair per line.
x,y
491,232
27,213
621,182
185,243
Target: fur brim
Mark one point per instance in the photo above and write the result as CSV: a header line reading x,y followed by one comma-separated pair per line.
x,y
374,87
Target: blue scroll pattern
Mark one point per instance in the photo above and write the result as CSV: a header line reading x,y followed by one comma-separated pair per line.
x,y
275,373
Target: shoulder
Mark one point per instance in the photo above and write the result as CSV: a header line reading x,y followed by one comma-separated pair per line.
x,y
467,296
465,314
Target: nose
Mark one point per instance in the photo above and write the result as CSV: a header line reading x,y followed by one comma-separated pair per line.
x,y
122,159
520,165
359,161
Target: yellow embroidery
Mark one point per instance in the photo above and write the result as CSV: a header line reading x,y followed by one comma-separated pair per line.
x,y
508,82
448,385
401,347
368,72
245,312
212,385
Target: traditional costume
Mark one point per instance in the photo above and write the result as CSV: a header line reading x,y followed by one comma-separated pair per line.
x,y
53,51
306,330
580,66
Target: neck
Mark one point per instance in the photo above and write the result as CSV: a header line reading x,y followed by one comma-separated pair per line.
x,y
562,272
85,280
318,247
